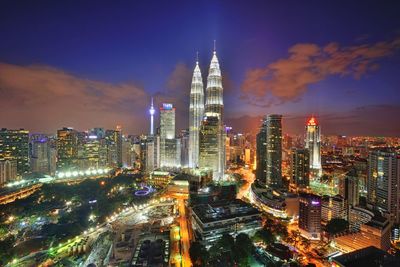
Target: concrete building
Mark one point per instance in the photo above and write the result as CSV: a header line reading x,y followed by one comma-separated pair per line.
x,y
300,167
383,181
310,216
209,159
374,233
333,207
14,145
313,144
358,216
169,145
8,171
211,221
67,149
369,256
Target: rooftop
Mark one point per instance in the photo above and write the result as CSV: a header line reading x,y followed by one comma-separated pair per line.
x,y
369,256
223,210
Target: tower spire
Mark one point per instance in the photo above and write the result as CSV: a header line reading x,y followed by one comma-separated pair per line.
x,y
197,57
215,47
152,111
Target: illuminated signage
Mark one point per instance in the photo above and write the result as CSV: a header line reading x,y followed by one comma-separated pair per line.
x,y
167,106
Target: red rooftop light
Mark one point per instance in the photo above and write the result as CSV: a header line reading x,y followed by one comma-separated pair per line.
x,y
312,121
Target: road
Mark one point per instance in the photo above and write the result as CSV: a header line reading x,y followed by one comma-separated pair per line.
x,y
185,241
249,178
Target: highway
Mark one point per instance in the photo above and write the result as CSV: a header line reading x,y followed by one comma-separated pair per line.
x,y
185,241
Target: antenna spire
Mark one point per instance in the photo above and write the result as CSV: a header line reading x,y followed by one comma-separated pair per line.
x,y
215,46
197,56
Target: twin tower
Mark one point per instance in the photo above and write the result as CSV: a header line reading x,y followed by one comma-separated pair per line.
x,y
206,127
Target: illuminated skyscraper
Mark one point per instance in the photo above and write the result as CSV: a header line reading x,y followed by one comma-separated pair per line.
x,y
313,143
14,145
383,181
152,111
214,107
209,139
114,147
196,111
261,154
169,145
274,151
67,149
310,216
300,167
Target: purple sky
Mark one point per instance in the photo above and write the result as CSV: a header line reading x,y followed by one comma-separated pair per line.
x,y
97,63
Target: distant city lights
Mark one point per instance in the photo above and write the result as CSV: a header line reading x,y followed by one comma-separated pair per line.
x,y
88,172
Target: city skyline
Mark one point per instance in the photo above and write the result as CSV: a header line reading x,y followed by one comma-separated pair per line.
x,y
50,76
199,133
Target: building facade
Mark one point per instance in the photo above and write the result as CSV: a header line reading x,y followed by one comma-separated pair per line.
x,y
196,112
169,145
209,140
310,216
214,106
67,149
313,144
14,145
383,181
274,151
300,167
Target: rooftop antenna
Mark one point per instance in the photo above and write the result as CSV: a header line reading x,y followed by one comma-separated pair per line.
x,y
197,56
215,46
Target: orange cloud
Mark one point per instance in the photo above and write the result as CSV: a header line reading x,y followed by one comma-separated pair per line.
x,y
288,79
42,98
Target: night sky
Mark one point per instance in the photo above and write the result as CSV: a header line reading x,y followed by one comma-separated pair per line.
x,y
91,64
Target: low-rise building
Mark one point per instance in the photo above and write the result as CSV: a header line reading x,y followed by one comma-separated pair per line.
x,y
211,221
369,256
333,207
374,233
357,217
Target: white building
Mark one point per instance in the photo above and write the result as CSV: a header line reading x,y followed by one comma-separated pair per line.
x,y
313,143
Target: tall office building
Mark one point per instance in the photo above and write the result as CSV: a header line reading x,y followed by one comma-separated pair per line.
x,y
300,167
214,107
261,154
383,181
169,145
40,156
184,138
209,149
196,112
274,151
114,147
14,145
67,149
310,216
349,188
8,171
313,144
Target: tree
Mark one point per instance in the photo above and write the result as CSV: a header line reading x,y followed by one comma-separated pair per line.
x,y
264,235
198,254
337,225
243,249
305,243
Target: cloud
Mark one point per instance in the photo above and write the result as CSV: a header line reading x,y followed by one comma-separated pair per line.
x,y
289,78
42,98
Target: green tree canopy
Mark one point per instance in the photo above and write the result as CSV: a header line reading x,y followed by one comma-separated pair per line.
x,y
337,225
198,254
